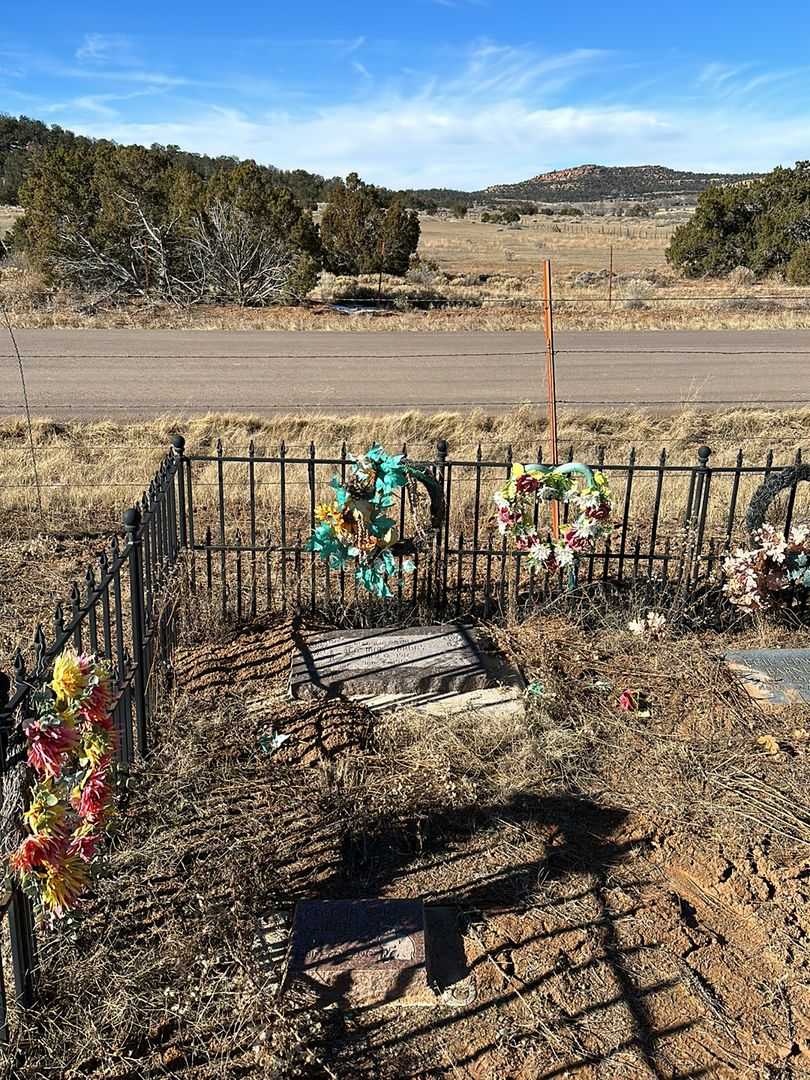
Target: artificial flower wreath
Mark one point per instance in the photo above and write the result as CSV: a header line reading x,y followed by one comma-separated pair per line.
x,y
71,742
775,573
591,503
356,526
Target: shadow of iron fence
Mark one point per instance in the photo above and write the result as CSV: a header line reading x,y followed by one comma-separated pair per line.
x,y
239,523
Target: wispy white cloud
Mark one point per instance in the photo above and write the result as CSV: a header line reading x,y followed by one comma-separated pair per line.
x,y
101,105
498,113
105,48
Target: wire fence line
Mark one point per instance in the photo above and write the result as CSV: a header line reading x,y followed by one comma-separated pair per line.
x,y
324,407
624,350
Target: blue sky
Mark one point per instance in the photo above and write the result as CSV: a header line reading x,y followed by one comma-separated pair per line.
x,y
459,93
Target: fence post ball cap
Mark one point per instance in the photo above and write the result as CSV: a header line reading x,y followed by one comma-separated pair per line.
x,y
179,443
704,452
132,519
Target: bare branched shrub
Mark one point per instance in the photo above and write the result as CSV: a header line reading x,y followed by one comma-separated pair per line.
x,y
741,276
237,262
636,293
222,256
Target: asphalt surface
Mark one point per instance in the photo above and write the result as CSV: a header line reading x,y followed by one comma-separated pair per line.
x,y
143,373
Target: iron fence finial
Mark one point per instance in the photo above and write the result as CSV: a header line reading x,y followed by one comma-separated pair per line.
x,y
132,519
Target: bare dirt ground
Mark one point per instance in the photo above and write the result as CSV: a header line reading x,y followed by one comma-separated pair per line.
x,y
631,893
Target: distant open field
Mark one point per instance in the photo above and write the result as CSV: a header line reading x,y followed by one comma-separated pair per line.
x,y
475,276
465,246
8,215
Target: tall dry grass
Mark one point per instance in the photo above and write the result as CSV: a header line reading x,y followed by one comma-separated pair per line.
x,y
90,471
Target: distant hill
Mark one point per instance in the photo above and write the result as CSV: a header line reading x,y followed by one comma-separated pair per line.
x,y
22,137
591,182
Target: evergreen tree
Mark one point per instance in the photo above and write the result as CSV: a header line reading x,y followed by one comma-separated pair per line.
x,y
360,236
759,225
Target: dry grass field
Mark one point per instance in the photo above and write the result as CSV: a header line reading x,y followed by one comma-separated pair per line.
x,y
91,472
491,277
462,246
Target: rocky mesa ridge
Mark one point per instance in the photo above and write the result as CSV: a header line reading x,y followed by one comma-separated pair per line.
x,y
612,182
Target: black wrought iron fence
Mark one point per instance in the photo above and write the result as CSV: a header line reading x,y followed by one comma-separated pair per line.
x,y
120,613
242,521
248,516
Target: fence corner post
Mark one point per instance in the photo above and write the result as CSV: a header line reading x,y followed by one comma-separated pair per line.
x,y
179,449
132,528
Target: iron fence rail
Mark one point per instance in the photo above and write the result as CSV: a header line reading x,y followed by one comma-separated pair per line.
x,y
118,614
248,515
241,519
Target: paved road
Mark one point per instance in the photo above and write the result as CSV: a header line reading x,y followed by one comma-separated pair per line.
x,y
140,373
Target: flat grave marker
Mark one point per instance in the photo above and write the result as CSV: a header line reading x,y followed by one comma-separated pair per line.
x,y
773,678
362,952
438,668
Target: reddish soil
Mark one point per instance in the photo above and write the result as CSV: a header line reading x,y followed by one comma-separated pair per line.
x,y
622,929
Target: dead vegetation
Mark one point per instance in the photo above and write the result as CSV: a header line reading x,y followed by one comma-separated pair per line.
x,y
471,276
622,912
91,472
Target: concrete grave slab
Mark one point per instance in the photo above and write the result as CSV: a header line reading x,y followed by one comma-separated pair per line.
x,y
361,952
439,669
773,678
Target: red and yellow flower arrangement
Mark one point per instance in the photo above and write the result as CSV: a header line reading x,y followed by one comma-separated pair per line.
x,y
71,743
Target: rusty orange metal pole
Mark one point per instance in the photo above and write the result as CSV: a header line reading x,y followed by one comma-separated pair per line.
x,y
551,386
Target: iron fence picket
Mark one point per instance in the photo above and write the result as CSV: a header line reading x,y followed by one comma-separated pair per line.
x,y
252,503
221,504
283,515
792,496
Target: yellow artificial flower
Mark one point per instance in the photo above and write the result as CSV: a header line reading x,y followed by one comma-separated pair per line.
x,y
70,677
325,512
63,885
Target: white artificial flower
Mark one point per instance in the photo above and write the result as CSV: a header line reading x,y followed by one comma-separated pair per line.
x,y
565,556
540,553
585,528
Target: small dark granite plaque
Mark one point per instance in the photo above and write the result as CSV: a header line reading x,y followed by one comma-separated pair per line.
x,y
774,678
362,952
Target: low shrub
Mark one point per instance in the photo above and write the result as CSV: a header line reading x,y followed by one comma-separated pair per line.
x,y
798,269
